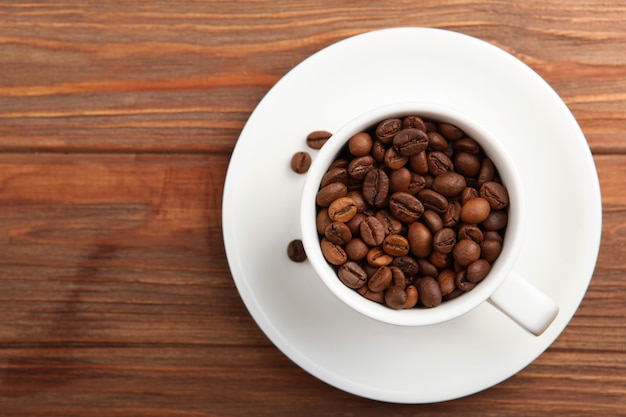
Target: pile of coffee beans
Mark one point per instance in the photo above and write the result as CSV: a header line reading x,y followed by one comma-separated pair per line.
x,y
411,213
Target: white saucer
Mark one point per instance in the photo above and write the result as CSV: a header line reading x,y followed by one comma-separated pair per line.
x,y
261,202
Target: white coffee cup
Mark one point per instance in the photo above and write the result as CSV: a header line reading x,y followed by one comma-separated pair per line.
x,y
503,287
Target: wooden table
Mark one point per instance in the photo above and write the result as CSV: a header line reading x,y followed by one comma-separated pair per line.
x,y
117,122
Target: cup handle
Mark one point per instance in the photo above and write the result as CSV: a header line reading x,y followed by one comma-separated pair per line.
x,y
525,304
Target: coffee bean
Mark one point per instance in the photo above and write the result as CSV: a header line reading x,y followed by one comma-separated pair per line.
x,y
487,171
440,260
317,139
418,183
333,253
412,297
354,223
446,280
490,249
378,151
462,283
380,280
407,265
322,221
400,180
376,187
338,233
337,174
420,240
478,270
496,220
359,167
466,164
356,249
449,184
496,194
466,251
389,222
432,200
372,231
470,231
378,297
387,129
450,131
330,193
427,268
342,209
396,245
360,144
405,207
432,220
468,145
468,193
439,162
415,122
300,162
377,257
409,142
452,216
437,142
444,240
419,163
352,275
397,276
295,251
394,159
475,210
395,297
429,292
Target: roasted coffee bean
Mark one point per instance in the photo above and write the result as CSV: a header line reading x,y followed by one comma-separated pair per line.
x,y
394,160
415,122
342,209
333,253
496,220
295,251
372,231
487,171
452,216
376,187
462,282
301,162
427,268
395,297
437,142
466,251
444,240
396,245
397,276
429,292
387,129
495,193
466,164
337,174
338,233
468,145
493,235
378,297
330,193
407,264
418,183
389,222
377,257
356,249
490,249
470,231
360,144
432,220
378,151
360,166
322,221
478,270
432,200
317,139
450,131
440,260
409,142
420,240
380,280
405,207
419,163
400,180
446,280
352,275
468,193
439,162
354,223
412,297
475,210
449,184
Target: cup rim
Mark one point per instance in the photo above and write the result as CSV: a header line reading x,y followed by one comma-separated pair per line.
x,y
449,309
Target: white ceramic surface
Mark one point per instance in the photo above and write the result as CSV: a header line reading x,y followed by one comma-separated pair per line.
x,y
262,196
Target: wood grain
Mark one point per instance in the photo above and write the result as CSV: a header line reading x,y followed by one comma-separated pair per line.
x,y
117,121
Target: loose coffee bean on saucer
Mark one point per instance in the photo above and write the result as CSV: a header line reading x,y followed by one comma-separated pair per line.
x,y
295,251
